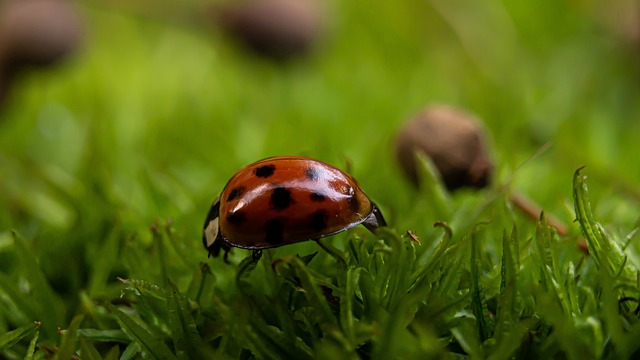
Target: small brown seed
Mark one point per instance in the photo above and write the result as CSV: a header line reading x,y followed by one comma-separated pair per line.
x,y
37,32
275,28
454,140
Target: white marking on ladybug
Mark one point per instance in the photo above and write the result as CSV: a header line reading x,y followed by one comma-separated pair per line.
x,y
211,231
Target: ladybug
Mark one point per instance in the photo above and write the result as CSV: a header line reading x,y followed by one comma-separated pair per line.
x,y
284,200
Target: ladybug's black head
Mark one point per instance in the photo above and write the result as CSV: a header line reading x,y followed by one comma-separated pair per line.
x,y
211,234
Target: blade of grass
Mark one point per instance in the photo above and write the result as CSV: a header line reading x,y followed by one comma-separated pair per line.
x,y
49,304
400,261
466,333
160,246
186,338
395,337
69,340
334,252
450,270
149,342
314,294
347,319
630,345
150,304
508,285
543,242
129,353
7,340
550,282
478,301
144,288
508,332
427,270
253,335
372,308
286,346
31,350
103,264
611,317
111,335
24,306
432,188
201,282
571,290
88,351
606,252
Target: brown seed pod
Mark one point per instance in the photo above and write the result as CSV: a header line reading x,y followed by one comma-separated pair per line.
x,y
621,18
36,32
453,140
4,88
275,28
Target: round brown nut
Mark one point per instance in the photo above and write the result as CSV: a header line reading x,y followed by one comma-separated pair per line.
x,y
453,140
4,85
37,32
276,28
622,19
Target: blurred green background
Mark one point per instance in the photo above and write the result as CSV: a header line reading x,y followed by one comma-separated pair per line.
x,y
158,109
148,120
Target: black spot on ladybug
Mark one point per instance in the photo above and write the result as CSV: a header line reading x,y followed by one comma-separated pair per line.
x,y
319,220
235,193
317,197
236,218
274,229
264,171
280,198
312,173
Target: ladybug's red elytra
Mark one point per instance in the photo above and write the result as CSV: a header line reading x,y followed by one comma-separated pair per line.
x,y
284,200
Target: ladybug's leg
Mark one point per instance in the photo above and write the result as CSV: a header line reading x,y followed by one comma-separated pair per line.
x,y
375,220
256,255
226,249
214,250
219,245
246,266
